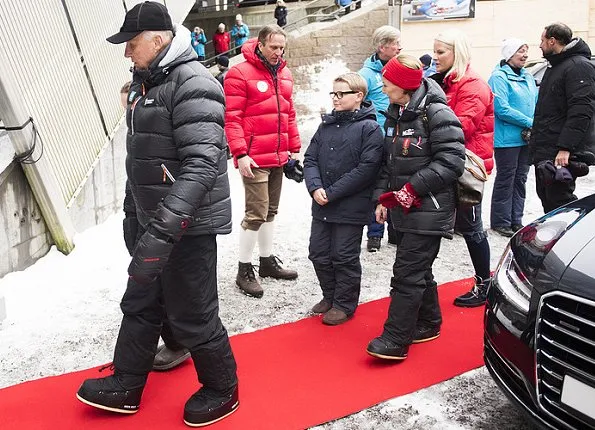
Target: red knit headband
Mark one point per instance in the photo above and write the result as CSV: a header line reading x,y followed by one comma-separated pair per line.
x,y
402,76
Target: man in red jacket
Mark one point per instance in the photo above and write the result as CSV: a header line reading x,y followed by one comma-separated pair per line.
x,y
262,134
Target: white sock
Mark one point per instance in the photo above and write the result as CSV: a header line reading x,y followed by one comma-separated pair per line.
x,y
247,243
265,239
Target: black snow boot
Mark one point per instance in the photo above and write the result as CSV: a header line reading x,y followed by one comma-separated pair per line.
x,y
271,266
218,396
117,393
476,297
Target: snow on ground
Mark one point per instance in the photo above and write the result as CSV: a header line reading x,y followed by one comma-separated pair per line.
x,y
63,311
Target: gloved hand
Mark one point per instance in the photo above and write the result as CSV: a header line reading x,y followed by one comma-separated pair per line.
x,y
294,170
406,197
130,226
150,257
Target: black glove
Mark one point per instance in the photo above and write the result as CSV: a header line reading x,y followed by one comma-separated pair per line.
x,y
294,170
526,134
150,257
130,226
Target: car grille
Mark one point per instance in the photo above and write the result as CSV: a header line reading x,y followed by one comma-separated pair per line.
x,y
565,344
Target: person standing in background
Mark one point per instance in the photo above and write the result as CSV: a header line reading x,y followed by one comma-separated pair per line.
x,y
471,99
239,33
223,66
221,40
515,95
199,40
281,13
387,43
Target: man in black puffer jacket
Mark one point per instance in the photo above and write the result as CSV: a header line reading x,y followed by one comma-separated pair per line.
x,y
562,126
177,176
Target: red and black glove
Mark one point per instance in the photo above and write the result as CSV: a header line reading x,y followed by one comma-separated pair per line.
x,y
149,257
406,197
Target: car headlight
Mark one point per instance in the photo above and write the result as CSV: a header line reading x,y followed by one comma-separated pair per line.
x,y
511,281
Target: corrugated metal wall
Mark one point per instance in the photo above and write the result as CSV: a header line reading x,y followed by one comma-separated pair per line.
x,y
69,76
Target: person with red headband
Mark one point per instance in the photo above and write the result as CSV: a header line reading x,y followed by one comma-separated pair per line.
x,y
417,183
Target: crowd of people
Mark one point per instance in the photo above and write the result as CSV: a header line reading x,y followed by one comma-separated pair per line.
x,y
392,150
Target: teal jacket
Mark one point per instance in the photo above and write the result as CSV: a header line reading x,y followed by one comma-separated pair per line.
x,y
515,97
372,73
240,34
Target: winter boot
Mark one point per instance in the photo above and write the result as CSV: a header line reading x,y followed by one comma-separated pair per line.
x,y
166,358
117,393
270,266
476,297
386,349
218,396
425,333
247,282
321,307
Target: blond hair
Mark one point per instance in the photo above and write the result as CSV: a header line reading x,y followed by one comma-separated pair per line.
x,y
457,41
385,35
355,82
409,61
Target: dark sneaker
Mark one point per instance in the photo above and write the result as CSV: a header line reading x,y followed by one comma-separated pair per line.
x,y
321,307
112,394
207,407
425,334
504,231
271,266
374,244
166,358
335,317
385,349
516,227
476,297
247,282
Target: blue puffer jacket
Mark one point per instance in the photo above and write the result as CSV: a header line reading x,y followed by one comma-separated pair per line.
x,y
514,105
372,73
240,33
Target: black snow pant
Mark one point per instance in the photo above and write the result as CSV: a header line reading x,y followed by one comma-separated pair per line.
x,y
414,293
334,252
186,291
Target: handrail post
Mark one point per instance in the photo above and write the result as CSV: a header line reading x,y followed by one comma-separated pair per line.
x,y
394,13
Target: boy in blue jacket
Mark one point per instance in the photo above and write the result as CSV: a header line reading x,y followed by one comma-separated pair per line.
x,y
340,168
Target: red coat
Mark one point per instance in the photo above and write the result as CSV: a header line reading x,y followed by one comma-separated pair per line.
x,y
260,117
221,42
473,103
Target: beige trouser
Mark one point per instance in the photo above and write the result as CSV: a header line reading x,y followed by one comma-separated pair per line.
x,y
262,195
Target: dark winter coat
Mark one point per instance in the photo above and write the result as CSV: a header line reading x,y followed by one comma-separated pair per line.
x,y
175,118
281,15
565,104
344,158
425,147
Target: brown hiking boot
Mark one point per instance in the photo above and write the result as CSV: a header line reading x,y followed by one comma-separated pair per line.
x,y
270,266
247,282
335,317
321,307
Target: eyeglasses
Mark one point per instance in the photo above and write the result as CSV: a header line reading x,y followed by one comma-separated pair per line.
x,y
340,94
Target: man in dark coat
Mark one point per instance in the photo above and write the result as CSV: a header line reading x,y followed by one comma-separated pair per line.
x,y
564,112
177,175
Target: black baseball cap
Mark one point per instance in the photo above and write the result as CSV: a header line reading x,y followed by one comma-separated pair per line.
x,y
145,16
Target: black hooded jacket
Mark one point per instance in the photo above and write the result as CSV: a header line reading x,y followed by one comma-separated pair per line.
x,y
175,119
565,105
424,146
343,158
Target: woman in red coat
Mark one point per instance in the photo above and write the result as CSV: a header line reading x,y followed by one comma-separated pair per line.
x,y
221,40
470,97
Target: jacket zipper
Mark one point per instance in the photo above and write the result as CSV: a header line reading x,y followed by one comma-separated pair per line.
x,y
276,80
133,107
434,200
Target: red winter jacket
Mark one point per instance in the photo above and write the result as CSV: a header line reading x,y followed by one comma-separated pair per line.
x,y
259,117
221,42
473,103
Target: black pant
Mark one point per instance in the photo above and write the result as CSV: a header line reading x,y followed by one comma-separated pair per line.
x,y
334,252
187,292
414,293
555,194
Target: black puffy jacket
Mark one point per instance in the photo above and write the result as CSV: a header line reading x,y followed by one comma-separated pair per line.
x,y
565,105
425,147
175,118
344,158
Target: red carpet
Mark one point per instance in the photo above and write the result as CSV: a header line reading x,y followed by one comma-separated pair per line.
x,y
292,376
